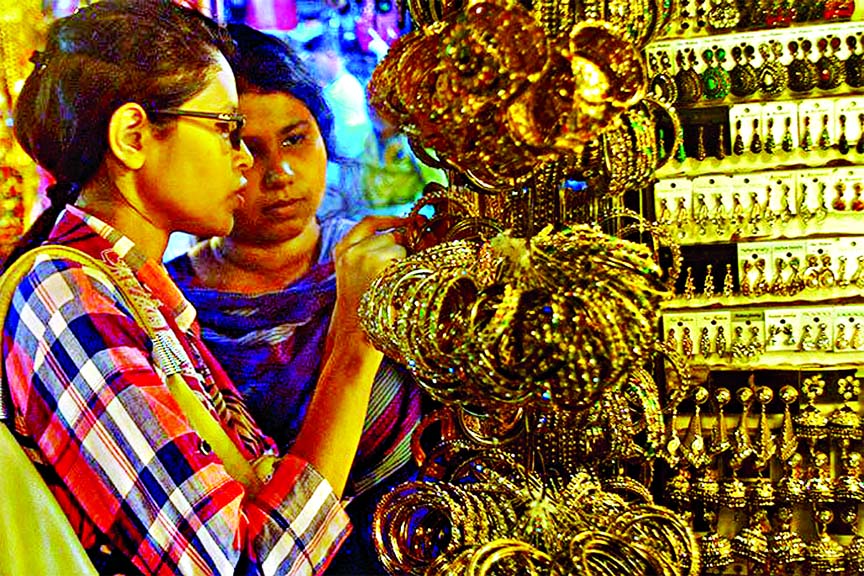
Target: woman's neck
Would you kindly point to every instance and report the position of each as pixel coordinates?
(254, 268)
(103, 199)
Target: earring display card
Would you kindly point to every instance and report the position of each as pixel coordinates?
(848, 328)
(754, 273)
(669, 194)
(852, 110)
(782, 326)
(679, 331)
(747, 339)
(780, 124)
(817, 329)
(816, 122)
(745, 120)
(715, 326)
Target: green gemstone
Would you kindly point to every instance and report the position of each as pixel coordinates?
(721, 54)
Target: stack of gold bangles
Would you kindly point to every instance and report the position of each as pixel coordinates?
(492, 93)
(501, 525)
(552, 321)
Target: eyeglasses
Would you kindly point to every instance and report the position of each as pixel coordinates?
(234, 136)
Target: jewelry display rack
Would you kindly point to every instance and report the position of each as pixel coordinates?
(764, 198)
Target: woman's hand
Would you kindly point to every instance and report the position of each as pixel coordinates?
(360, 257)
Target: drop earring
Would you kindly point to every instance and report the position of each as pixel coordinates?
(773, 76)
(738, 145)
(831, 73)
(770, 143)
(744, 79)
(708, 287)
(859, 147)
(802, 71)
(687, 80)
(786, 143)
(720, 152)
(857, 202)
(700, 143)
(715, 78)
(842, 141)
(756, 140)
(662, 84)
(839, 203)
(806, 139)
(689, 287)
(854, 64)
(824, 135)
(728, 283)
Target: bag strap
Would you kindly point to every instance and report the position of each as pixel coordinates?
(200, 419)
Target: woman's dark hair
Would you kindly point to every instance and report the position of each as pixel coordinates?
(265, 64)
(153, 52)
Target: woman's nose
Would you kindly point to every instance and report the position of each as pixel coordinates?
(278, 173)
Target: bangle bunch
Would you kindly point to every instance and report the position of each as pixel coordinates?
(495, 524)
(552, 321)
(493, 93)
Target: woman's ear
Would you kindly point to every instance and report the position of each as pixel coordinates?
(128, 130)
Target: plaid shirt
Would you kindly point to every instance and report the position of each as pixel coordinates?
(124, 463)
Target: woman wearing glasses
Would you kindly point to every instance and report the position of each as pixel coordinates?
(267, 295)
(132, 107)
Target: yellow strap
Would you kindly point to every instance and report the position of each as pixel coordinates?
(200, 419)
